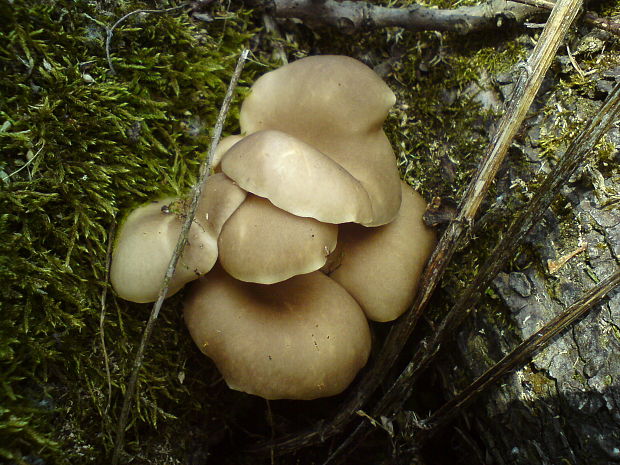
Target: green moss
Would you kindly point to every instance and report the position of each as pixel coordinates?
(79, 146)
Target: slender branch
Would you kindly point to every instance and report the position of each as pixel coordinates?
(525, 90)
(205, 170)
(516, 358)
(358, 15)
(104, 295)
(589, 17)
(110, 34)
(354, 15)
(574, 156)
(6, 177)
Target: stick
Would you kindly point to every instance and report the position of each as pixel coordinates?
(205, 170)
(108, 40)
(104, 295)
(516, 358)
(357, 15)
(353, 15)
(526, 88)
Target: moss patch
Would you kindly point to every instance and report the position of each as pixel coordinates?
(80, 145)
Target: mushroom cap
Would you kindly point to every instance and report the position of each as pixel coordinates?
(337, 105)
(380, 267)
(147, 239)
(296, 178)
(261, 243)
(302, 338)
(322, 94)
(144, 246)
(223, 146)
(372, 162)
(220, 198)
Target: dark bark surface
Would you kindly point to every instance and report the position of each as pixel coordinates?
(564, 407)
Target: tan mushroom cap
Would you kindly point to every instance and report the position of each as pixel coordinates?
(261, 243)
(337, 105)
(303, 338)
(296, 178)
(321, 94)
(380, 267)
(372, 162)
(143, 249)
(225, 144)
(220, 198)
(147, 239)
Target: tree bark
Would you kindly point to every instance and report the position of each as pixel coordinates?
(564, 406)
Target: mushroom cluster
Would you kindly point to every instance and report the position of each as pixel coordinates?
(304, 233)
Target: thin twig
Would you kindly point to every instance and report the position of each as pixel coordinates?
(358, 15)
(205, 170)
(108, 40)
(7, 176)
(516, 358)
(574, 156)
(525, 90)
(589, 17)
(104, 295)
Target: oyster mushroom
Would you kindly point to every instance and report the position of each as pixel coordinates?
(302, 338)
(148, 236)
(261, 243)
(381, 267)
(296, 178)
(337, 105)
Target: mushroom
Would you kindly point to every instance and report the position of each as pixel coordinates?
(263, 244)
(302, 338)
(380, 267)
(337, 105)
(147, 239)
(225, 144)
(296, 178)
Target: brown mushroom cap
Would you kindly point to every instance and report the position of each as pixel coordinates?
(303, 338)
(143, 249)
(225, 144)
(337, 105)
(380, 267)
(261, 243)
(323, 94)
(147, 239)
(296, 178)
(219, 200)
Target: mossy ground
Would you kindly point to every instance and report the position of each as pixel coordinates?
(80, 146)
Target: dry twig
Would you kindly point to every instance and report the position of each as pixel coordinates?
(205, 170)
(526, 88)
(572, 159)
(357, 15)
(110, 34)
(104, 295)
